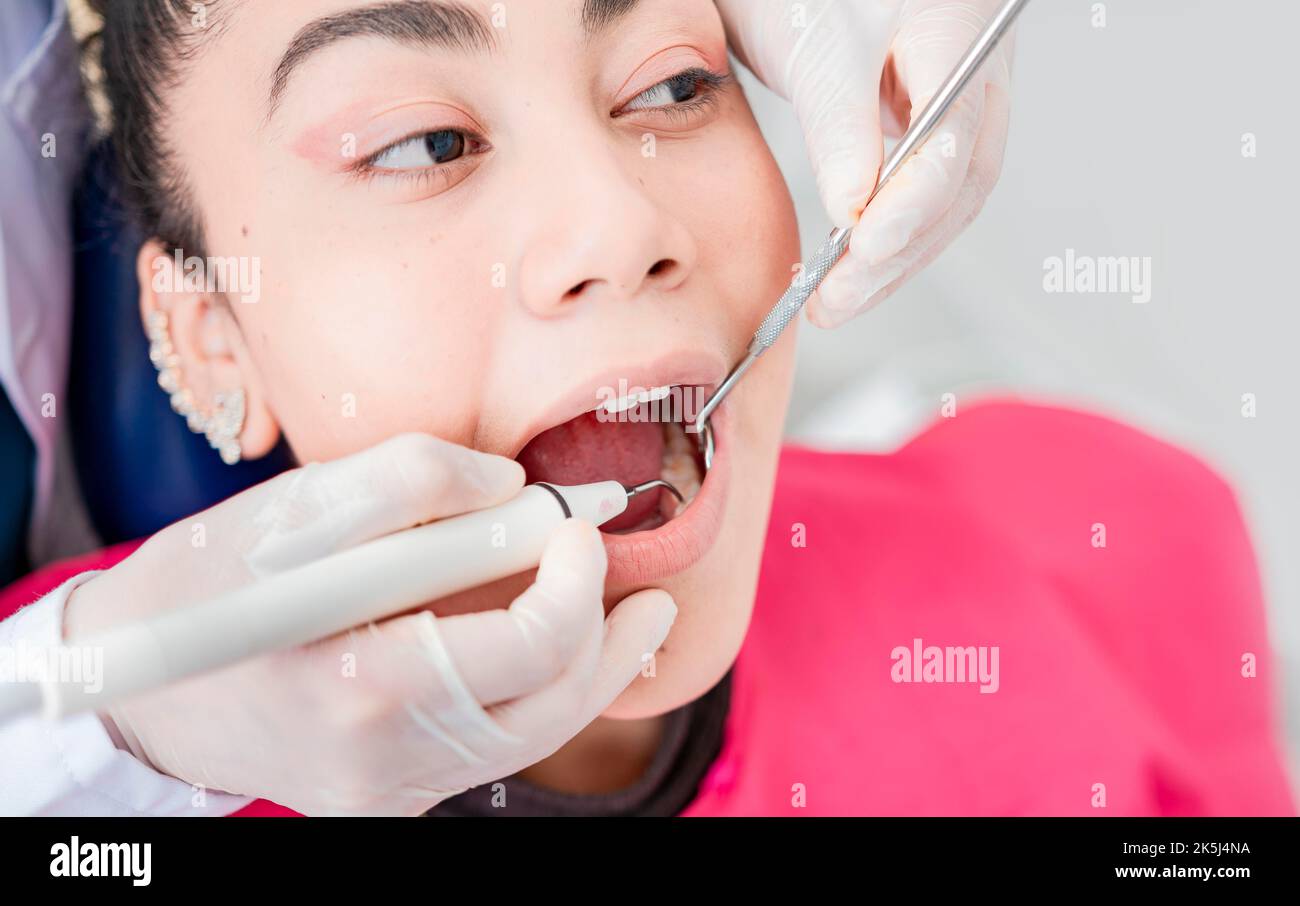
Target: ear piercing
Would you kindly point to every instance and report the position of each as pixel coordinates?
(227, 420)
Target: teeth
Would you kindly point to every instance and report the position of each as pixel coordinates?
(680, 466)
(632, 400)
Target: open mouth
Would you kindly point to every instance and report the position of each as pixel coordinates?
(632, 435)
(633, 439)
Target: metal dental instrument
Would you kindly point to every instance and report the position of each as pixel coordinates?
(816, 268)
(650, 485)
(360, 585)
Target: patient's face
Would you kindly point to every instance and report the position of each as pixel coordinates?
(476, 242)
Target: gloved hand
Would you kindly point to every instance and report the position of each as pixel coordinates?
(853, 69)
(394, 717)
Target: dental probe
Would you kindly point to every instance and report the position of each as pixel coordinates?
(364, 584)
(815, 269)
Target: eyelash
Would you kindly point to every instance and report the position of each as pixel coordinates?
(708, 84)
(421, 177)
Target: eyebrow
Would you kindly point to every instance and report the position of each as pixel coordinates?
(418, 23)
(598, 15)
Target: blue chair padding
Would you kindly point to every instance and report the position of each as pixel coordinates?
(139, 466)
(17, 461)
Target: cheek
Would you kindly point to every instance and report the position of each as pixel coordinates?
(355, 348)
(747, 230)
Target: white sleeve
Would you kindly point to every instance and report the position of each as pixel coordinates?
(70, 766)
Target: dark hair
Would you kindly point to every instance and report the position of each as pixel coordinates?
(141, 51)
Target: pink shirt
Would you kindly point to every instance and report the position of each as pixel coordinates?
(1119, 666)
(1107, 576)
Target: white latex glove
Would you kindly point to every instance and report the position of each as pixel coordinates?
(391, 718)
(854, 70)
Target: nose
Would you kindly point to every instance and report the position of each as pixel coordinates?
(601, 235)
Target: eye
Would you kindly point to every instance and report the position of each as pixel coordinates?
(422, 151)
(686, 89)
(677, 90)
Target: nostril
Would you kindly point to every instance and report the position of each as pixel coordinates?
(661, 268)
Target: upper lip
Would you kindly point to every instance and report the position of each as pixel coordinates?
(681, 368)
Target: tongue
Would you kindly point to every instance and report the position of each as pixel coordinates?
(586, 449)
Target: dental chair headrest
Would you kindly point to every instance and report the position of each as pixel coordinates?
(139, 466)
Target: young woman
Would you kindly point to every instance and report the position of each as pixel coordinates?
(470, 232)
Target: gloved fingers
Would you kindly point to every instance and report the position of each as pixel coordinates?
(443, 672)
(833, 82)
(407, 480)
(402, 692)
(503, 654)
(530, 728)
(408, 799)
(374, 745)
(634, 632)
(981, 176)
(985, 166)
(844, 138)
(915, 198)
(991, 144)
(629, 638)
(826, 57)
(933, 35)
(544, 720)
(925, 186)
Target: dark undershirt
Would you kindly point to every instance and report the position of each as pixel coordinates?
(691, 741)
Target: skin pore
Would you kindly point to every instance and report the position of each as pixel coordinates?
(456, 236)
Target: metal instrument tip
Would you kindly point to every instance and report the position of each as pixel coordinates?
(649, 485)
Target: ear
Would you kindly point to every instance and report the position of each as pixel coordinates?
(205, 336)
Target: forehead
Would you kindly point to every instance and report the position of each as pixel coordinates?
(271, 41)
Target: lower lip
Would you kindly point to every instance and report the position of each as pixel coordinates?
(642, 557)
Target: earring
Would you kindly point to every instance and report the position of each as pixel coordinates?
(227, 420)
